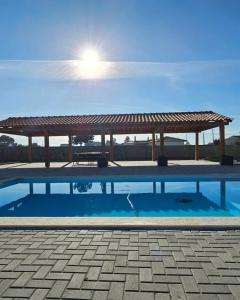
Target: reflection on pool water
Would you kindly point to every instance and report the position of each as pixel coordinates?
(155, 197)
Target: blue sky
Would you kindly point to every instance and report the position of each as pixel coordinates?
(166, 56)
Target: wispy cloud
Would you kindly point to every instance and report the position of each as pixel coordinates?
(173, 72)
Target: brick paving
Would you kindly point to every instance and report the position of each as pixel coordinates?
(92, 264)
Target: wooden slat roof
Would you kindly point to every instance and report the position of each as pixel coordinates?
(118, 123)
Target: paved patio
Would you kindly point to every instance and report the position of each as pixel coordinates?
(118, 168)
(67, 264)
(146, 163)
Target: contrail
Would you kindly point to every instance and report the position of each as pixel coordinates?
(173, 72)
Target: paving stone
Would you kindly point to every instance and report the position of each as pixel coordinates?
(224, 280)
(138, 296)
(59, 276)
(226, 297)
(146, 275)
(214, 289)
(116, 291)
(39, 294)
(93, 273)
(107, 267)
(96, 285)
(16, 292)
(169, 279)
(75, 260)
(132, 283)
(163, 296)
(59, 266)
(112, 277)
(133, 255)
(189, 284)
(100, 295)
(9, 275)
(154, 287)
(76, 281)
(235, 290)
(57, 289)
(158, 268)
(200, 276)
(42, 272)
(5, 284)
(126, 270)
(40, 283)
(90, 264)
(12, 265)
(77, 294)
(202, 297)
(23, 279)
(89, 254)
(177, 291)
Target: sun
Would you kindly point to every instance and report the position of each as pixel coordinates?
(90, 65)
(91, 59)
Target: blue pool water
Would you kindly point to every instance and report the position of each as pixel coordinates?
(155, 197)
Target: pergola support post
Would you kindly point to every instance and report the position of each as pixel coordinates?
(29, 149)
(197, 153)
(161, 143)
(222, 139)
(154, 150)
(70, 155)
(111, 147)
(47, 154)
(103, 144)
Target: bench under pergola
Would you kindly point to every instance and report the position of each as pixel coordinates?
(114, 124)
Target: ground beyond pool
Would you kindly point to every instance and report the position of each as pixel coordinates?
(154, 197)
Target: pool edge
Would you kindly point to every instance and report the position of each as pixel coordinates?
(121, 223)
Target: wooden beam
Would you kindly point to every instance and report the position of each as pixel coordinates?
(70, 155)
(103, 143)
(222, 138)
(197, 153)
(29, 149)
(161, 143)
(125, 128)
(111, 148)
(47, 154)
(154, 149)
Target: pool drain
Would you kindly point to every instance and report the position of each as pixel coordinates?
(184, 200)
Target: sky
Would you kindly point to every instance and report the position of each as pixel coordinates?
(158, 56)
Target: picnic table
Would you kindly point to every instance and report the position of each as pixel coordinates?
(101, 158)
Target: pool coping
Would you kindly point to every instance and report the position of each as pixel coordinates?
(213, 223)
(131, 223)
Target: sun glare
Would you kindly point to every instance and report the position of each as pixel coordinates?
(90, 58)
(90, 65)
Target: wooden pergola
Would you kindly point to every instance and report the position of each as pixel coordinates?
(114, 124)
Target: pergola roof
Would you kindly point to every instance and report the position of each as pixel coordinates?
(114, 123)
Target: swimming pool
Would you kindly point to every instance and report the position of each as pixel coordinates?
(122, 197)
